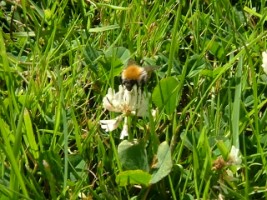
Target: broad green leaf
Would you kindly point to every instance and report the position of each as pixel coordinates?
(133, 155)
(163, 165)
(133, 177)
(165, 94)
(119, 52)
(115, 58)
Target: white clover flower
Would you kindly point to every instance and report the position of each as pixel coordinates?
(135, 102)
(234, 157)
(264, 61)
(124, 101)
(234, 162)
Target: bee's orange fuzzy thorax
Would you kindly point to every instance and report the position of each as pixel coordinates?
(132, 72)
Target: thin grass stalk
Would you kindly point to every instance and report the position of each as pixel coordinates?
(174, 42)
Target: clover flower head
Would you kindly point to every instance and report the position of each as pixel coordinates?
(234, 157)
(127, 102)
(134, 102)
(264, 61)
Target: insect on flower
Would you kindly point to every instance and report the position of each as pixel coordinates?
(134, 74)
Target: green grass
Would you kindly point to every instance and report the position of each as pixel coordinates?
(57, 61)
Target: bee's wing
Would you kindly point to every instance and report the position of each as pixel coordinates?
(150, 69)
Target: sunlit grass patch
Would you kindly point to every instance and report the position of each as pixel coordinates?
(204, 135)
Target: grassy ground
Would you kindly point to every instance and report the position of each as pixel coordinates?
(57, 61)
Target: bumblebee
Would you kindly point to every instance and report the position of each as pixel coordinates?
(134, 74)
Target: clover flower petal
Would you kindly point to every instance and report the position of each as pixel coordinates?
(124, 131)
(111, 124)
(111, 102)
